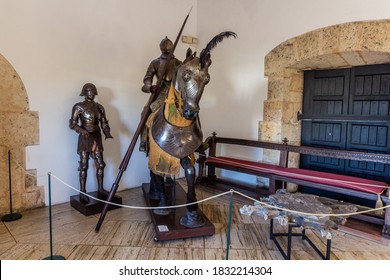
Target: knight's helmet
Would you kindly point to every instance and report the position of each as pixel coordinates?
(88, 87)
(166, 45)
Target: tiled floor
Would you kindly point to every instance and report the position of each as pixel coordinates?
(129, 234)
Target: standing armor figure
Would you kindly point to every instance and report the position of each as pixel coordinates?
(87, 118)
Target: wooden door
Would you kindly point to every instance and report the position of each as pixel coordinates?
(347, 109)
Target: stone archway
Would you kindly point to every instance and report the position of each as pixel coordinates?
(18, 129)
(338, 46)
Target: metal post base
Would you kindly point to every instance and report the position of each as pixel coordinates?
(54, 258)
(287, 255)
(11, 217)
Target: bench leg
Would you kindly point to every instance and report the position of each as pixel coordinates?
(386, 226)
(272, 186)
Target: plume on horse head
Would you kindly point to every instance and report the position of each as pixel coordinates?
(192, 76)
(205, 53)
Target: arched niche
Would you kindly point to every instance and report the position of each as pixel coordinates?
(19, 128)
(337, 46)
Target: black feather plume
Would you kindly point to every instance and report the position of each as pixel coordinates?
(205, 53)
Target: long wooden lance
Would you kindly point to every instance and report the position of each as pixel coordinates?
(144, 117)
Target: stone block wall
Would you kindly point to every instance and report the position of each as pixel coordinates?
(19, 128)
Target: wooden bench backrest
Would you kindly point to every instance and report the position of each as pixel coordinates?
(285, 149)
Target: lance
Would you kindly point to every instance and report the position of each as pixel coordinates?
(144, 117)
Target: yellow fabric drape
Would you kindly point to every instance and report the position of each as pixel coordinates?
(160, 162)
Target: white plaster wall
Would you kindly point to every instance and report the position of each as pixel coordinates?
(56, 46)
(237, 74)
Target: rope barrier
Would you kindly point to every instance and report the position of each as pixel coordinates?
(140, 207)
(223, 194)
(312, 214)
(206, 199)
(24, 170)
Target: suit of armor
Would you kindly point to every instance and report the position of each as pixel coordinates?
(155, 70)
(88, 118)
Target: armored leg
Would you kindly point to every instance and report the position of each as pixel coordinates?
(169, 180)
(143, 146)
(192, 218)
(100, 165)
(83, 167)
(160, 186)
(144, 141)
(153, 190)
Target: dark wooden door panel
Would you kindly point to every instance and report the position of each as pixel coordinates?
(347, 109)
(323, 135)
(370, 108)
(327, 92)
(368, 137)
(370, 90)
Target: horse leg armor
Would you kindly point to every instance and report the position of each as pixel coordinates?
(157, 182)
(192, 219)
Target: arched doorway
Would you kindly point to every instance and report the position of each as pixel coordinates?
(18, 129)
(338, 46)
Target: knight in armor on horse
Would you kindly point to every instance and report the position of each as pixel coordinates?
(174, 130)
(88, 118)
(155, 71)
(173, 127)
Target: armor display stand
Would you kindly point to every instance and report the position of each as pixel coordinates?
(11, 216)
(94, 206)
(168, 227)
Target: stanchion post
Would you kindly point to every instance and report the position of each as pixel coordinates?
(51, 257)
(229, 225)
(11, 216)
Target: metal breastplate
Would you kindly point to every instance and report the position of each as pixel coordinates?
(89, 115)
(175, 140)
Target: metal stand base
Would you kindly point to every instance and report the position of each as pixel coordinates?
(287, 256)
(11, 217)
(94, 206)
(168, 227)
(54, 258)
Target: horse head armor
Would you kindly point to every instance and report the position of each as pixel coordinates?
(189, 80)
(193, 75)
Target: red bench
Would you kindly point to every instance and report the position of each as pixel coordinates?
(366, 189)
